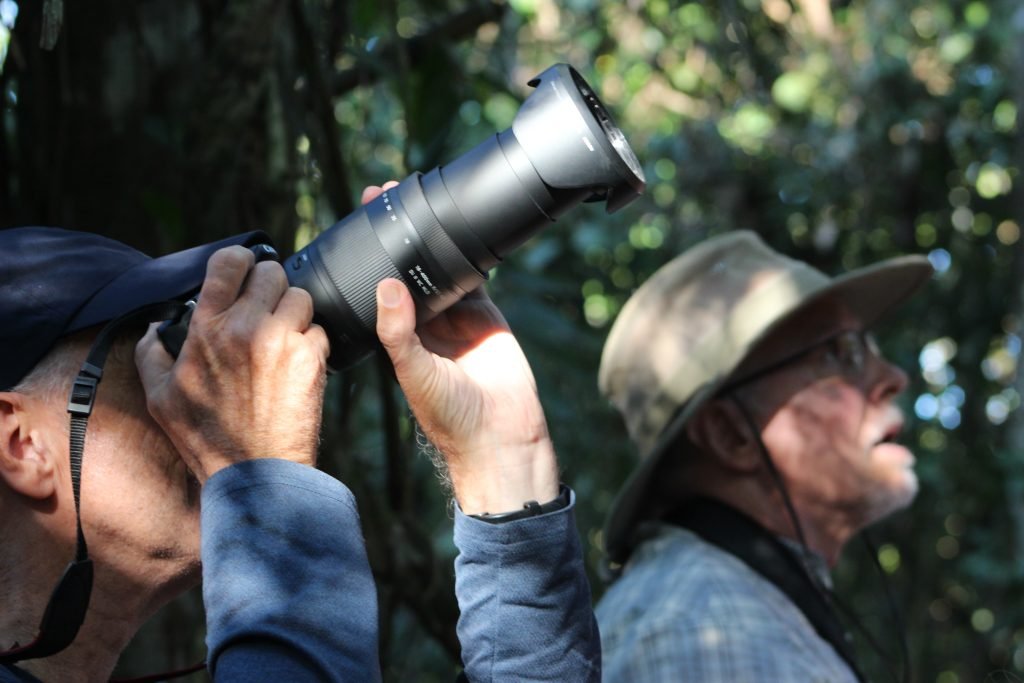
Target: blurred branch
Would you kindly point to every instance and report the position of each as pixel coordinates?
(407, 572)
(6, 171)
(395, 458)
(341, 433)
(401, 55)
(337, 25)
(53, 17)
(453, 28)
(336, 180)
(417, 575)
(225, 128)
(1015, 431)
(426, 586)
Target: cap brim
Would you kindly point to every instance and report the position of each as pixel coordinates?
(870, 293)
(166, 278)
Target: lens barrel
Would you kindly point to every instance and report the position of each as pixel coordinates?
(440, 232)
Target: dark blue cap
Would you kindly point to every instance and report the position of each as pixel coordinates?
(54, 282)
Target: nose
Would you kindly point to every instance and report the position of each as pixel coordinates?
(888, 381)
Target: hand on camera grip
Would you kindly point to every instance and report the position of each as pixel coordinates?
(172, 333)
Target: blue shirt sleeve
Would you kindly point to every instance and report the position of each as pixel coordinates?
(286, 581)
(525, 600)
(9, 673)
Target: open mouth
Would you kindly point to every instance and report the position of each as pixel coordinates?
(891, 434)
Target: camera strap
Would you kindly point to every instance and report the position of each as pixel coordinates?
(69, 602)
(735, 533)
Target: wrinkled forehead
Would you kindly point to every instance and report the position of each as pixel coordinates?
(806, 328)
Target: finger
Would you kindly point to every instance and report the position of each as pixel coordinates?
(480, 293)
(152, 360)
(264, 288)
(225, 273)
(295, 309)
(373, 191)
(370, 193)
(476, 314)
(318, 336)
(396, 329)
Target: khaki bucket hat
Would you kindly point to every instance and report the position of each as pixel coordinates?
(682, 335)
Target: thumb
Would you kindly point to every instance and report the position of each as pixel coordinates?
(152, 360)
(396, 328)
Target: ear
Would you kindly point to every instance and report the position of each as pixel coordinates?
(27, 463)
(719, 431)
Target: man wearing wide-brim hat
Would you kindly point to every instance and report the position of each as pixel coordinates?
(764, 418)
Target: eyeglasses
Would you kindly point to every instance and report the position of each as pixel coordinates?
(851, 350)
(848, 351)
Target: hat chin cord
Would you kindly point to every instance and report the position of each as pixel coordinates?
(66, 610)
(805, 559)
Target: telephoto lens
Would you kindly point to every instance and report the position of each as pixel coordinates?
(440, 232)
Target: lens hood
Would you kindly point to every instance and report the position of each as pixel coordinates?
(572, 141)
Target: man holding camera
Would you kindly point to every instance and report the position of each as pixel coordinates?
(222, 439)
(765, 419)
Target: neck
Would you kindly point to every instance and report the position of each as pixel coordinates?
(822, 535)
(825, 532)
(85, 660)
(118, 607)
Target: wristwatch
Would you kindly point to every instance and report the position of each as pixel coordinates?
(531, 508)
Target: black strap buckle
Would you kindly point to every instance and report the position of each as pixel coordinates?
(83, 395)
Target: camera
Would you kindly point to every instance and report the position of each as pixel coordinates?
(440, 232)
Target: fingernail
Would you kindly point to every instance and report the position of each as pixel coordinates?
(388, 293)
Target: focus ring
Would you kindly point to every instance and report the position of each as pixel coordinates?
(354, 259)
(462, 273)
(427, 225)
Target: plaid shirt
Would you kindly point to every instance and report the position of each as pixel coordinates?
(685, 610)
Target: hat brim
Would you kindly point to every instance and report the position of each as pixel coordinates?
(870, 293)
(165, 278)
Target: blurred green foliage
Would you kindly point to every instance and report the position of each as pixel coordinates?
(843, 132)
